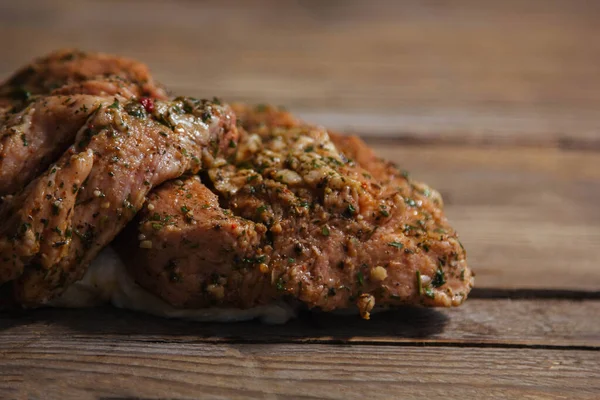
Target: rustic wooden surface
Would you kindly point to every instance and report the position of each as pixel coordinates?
(494, 103)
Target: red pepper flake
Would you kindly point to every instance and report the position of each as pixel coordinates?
(148, 104)
(233, 226)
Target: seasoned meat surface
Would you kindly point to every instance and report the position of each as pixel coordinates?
(37, 135)
(190, 241)
(44, 104)
(119, 155)
(72, 67)
(300, 214)
(216, 205)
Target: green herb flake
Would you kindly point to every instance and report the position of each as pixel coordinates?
(419, 283)
(261, 209)
(280, 285)
(325, 231)
(360, 278)
(439, 279)
(25, 227)
(55, 209)
(397, 245)
(429, 293)
(206, 116)
(410, 202)
(351, 209)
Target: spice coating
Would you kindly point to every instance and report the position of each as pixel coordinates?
(220, 205)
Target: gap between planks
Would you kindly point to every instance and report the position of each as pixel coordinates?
(543, 324)
(396, 138)
(539, 294)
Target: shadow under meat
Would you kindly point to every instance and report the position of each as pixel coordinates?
(310, 326)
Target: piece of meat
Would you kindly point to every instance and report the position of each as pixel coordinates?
(72, 67)
(301, 215)
(134, 145)
(37, 135)
(192, 241)
(43, 105)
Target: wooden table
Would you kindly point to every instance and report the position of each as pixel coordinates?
(495, 103)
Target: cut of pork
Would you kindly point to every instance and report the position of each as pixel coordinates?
(298, 214)
(132, 147)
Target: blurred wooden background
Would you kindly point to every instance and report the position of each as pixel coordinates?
(465, 70)
(495, 103)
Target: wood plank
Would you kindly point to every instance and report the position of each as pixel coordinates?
(74, 368)
(474, 71)
(532, 323)
(528, 219)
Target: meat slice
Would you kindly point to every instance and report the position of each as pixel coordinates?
(72, 67)
(134, 145)
(52, 196)
(33, 138)
(43, 105)
(192, 241)
(302, 215)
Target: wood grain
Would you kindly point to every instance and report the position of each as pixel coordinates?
(465, 71)
(503, 323)
(528, 219)
(69, 368)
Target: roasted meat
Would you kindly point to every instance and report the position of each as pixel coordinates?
(297, 213)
